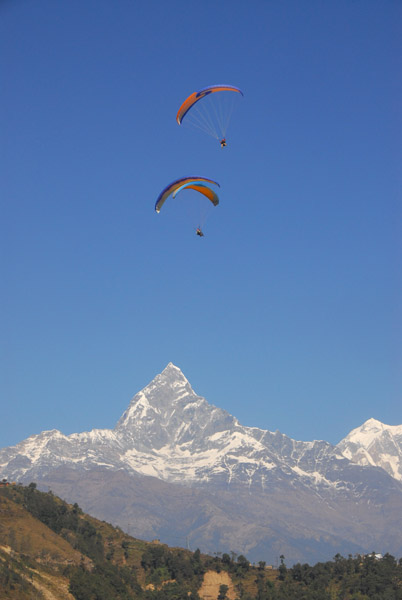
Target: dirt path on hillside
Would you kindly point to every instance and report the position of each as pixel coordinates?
(211, 584)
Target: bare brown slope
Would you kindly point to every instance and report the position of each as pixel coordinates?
(24, 534)
(211, 584)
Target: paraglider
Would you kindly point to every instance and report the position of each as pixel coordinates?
(201, 185)
(210, 110)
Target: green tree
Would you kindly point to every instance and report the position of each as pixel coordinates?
(223, 590)
(282, 569)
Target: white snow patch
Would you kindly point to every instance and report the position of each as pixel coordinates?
(315, 476)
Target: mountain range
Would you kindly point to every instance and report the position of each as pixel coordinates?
(181, 470)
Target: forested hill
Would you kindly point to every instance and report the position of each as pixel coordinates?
(53, 551)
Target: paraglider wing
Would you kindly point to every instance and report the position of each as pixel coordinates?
(172, 187)
(199, 187)
(196, 96)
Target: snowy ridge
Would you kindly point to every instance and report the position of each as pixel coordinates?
(375, 444)
(171, 433)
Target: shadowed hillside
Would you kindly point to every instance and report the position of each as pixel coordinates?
(51, 550)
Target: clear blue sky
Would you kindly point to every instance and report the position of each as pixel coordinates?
(288, 313)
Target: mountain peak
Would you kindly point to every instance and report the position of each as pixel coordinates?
(375, 443)
(365, 434)
(168, 393)
(170, 367)
(172, 375)
(373, 424)
(371, 430)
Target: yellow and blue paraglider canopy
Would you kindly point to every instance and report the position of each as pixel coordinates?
(199, 184)
(210, 109)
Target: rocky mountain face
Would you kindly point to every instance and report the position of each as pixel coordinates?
(182, 470)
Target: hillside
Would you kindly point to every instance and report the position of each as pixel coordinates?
(50, 550)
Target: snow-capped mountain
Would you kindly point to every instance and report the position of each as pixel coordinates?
(376, 444)
(245, 488)
(171, 433)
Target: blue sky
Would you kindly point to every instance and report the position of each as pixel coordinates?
(288, 312)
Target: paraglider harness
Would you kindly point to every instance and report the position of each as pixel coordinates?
(223, 143)
(199, 232)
